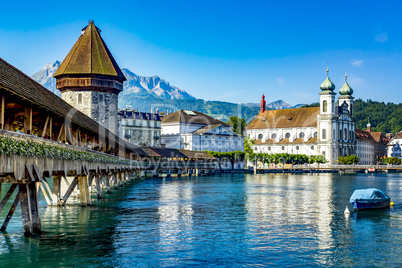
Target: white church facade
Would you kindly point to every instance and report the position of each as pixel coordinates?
(327, 130)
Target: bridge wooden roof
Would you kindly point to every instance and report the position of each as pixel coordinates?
(18, 83)
(89, 55)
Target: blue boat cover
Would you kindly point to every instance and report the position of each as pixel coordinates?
(368, 194)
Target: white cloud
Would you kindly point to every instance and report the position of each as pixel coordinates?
(381, 37)
(355, 81)
(358, 63)
(281, 81)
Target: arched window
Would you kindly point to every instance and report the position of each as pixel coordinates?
(324, 106)
(274, 136)
(315, 134)
(351, 109)
(260, 137)
(283, 148)
(301, 135)
(340, 134)
(345, 134)
(324, 134)
(334, 133)
(287, 135)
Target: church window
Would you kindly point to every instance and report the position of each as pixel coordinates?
(312, 147)
(315, 134)
(79, 98)
(260, 137)
(324, 134)
(340, 134)
(287, 135)
(301, 135)
(345, 134)
(323, 153)
(283, 148)
(324, 106)
(351, 109)
(297, 147)
(274, 136)
(269, 148)
(334, 133)
(100, 97)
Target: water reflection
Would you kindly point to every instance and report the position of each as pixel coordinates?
(224, 221)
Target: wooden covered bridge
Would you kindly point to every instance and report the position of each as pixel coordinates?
(47, 146)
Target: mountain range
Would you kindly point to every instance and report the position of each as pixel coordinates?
(149, 94)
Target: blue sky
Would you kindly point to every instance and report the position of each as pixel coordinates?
(223, 50)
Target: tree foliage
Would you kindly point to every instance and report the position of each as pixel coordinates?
(393, 160)
(238, 124)
(348, 160)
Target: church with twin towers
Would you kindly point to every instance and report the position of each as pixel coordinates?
(328, 130)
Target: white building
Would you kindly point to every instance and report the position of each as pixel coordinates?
(394, 146)
(140, 128)
(366, 146)
(328, 130)
(192, 130)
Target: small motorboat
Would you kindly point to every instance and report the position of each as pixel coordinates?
(369, 199)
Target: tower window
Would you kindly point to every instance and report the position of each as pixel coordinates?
(301, 135)
(273, 136)
(315, 134)
(287, 136)
(324, 134)
(260, 137)
(79, 98)
(324, 106)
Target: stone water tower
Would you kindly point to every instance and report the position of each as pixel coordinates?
(90, 80)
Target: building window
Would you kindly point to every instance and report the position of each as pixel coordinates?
(315, 134)
(79, 98)
(312, 147)
(324, 106)
(260, 137)
(273, 136)
(345, 134)
(100, 98)
(297, 148)
(301, 135)
(287, 135)
(283, 148)
(324, 134)
(269, 148)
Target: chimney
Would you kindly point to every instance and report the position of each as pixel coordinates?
(263, 102)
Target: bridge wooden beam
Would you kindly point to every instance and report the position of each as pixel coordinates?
(28, 120)
(2, 111)
(45, 127)
(10, 213)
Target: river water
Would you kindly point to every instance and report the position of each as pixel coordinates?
(221, 221)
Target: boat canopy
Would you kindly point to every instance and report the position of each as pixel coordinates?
(371, 193)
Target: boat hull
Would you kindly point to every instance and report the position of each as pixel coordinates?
(370, 204)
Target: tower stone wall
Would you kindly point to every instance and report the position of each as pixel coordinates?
(100, 106)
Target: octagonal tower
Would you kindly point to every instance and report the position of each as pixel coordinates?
(89, 78)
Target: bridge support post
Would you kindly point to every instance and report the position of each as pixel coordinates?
(108, 176)
(98, 186)
(115, 180)
(28, 195)
(56, 196)
(179, 172)
(84, 190)
(168, 173)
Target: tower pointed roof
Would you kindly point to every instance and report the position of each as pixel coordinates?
(346, 90)
(90, 55)
(327, 85)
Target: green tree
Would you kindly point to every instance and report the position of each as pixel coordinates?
(238, 124)
(348, 160)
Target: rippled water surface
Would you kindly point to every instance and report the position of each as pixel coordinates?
(223, 221)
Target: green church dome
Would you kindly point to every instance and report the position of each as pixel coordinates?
(327, 85)
(346, 90)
